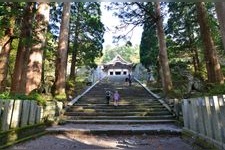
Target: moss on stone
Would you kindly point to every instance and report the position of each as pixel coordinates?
(198, 142)
(14, 135)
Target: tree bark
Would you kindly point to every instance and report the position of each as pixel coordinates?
(73, 63)
(5, 48)
(195, 58)
(4, 59)
(212, 64)
(34, 67)
(220, 10)
(163, 58)
(75, 48)
(61, 60)
(18, 84)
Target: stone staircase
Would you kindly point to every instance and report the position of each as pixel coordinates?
(136, 106)
(138, 112)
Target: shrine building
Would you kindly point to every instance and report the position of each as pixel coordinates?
(117, 66)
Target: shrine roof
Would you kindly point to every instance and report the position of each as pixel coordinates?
(117, 59)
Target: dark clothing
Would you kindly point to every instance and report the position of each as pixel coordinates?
(107, 96)
(129, 79)
(130, 82)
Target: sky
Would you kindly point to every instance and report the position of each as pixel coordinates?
(110, 22)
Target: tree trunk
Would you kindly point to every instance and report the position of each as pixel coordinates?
(4, 59)
(220, 10)
(34, 67)
(73, 63)
(18, 84)
(61, 60)
(43, 67)
(195, 58)
(212, 64)
(75, 48)
(5, 48)
(163, 58)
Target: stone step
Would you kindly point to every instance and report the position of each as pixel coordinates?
(136, 106)
(92, 128)
(122, 93)
(123, 121)
(105, 106)
(121, 104)
(121, 117)
(127, 98)
(79, 109)
(101, 94)
(117, 113)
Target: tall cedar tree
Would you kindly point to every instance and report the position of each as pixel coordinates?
(86, 30)
(214, 73)
(19, 78)
(7, 27)
(34, 67)
(163, 57)
(220, 10)
(183, 33)
(149, 49)
(61, 60)
(77, 30)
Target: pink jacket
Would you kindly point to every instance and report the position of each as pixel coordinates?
(116, 96)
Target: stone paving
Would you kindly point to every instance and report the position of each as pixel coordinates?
(81, 141)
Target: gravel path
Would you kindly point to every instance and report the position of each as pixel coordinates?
(81, 141)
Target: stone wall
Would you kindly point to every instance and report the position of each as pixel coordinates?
(21, 113)
(205, 117)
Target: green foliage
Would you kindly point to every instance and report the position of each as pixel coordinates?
(75, 87)
(50, 55)
(131, 15)
(33, 96)
(183, 36)
(38, 97)
(149, 43)
(9, 10)
(215, 89)
(70, 83)
(86, 33)
(61, 97)
(5, 95)
(130, 54)
(214, 26)
(182, 31)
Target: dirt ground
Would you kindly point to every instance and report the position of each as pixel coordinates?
(79, 141)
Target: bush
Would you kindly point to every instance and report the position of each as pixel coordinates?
(38, 97)
(33, 96)
(5, 95)
(60, 97)
(215, 89)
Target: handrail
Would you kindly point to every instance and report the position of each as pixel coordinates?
(155, 95)
(79, 96)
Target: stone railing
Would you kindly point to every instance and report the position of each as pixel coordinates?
(21, 113)
(205, 117)
(24, 119)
